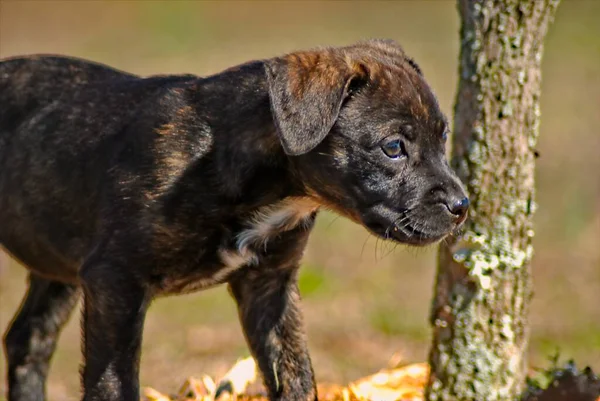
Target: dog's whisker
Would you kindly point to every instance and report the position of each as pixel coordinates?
(419, 228)
(404, 226)
(380, 248)
(335, 218)
(364, 244)
(384, 247)
(445, 242)
(375, 249)
(389, 252)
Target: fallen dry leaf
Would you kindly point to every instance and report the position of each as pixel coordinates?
(237, 379)
(197, 390)
(400, 384)
(397, 383)
(150, 394)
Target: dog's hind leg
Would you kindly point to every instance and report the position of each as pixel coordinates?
(268, 304)
(31, 338)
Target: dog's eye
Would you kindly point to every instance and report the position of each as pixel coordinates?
(445, 136)
(394, 149)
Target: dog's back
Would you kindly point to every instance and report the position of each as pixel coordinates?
(28, 84)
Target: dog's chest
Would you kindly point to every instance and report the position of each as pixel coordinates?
(265, 225)
(248, 247)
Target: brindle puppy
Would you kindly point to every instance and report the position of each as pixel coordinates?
(134, 188)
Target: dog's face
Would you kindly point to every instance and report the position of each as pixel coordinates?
(368, 138)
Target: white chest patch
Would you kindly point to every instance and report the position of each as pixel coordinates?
(266, 223)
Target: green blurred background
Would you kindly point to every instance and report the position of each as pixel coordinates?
(363, 300)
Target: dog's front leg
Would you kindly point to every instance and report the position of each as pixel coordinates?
(114, 311)
(268, 305)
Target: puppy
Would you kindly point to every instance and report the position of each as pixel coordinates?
(133, 188)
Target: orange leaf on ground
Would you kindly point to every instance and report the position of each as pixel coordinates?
(405, 383)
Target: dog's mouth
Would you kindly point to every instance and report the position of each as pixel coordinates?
(414, 235)
(403, 229)
(406, 234)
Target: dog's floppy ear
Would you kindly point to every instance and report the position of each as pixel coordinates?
(306, 92)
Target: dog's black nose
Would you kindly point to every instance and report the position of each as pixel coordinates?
(459, 208)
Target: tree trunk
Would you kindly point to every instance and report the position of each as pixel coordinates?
(480, 311)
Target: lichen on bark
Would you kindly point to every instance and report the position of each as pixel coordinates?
(483, 286)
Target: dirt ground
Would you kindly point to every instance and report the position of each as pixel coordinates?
(363, 299)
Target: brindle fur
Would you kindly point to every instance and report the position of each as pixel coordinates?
(132, 188)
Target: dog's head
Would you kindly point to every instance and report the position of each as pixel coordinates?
(367, 137)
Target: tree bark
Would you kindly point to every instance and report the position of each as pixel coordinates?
(483, 287)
